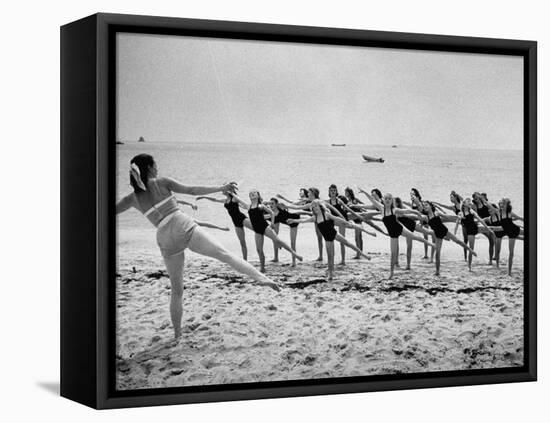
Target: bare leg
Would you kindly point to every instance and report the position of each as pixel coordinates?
(394, 242)
(438, 244)
(345, 243)
(498, 245)
(465, 238)
(211, 225)
(409, 252)
(491, 240)
(452, 237)
(397, 254)
(432, 250)
(342, 231)
(273, 236)
(358, 241)
(319, 243)
(511, 246)
(330, 259)
(203, 243)
(471, 243)
(425, 247)
(242, 240)
(275, 245)
(415, 237)
(259, 238)
(174, 265)
(293, 236)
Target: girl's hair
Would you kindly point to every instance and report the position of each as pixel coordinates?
(398, 202)
(143, 162)
(466, 202)
(260, 199)
(508, 205)
(303, 191)
(457, 196)
(334, 187)
(349, 192)
(315, 192)
(416, 193)
(274, 200)
(377, 192)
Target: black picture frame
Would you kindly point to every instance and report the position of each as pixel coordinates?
(88, 219)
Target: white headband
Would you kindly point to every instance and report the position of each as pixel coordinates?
(136, 175)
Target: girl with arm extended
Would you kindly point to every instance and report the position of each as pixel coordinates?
(483, 208)
(256, 215)
(394, 228)
(468, 219)
(510, 229)
(325, 221)
(154, 197)
(416, 204)
(441, 233)
(303, 198)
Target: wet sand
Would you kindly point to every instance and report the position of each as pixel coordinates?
(358, 324)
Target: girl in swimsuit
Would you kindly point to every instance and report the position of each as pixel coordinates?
(456, 203)
(324, 220)
(303, 198)
(510, 229)
(240, 220)
(257, 216)
(434, 219)
(416, 204)
(469, 218)
(410, 222)
(280, 215)
(154, 197)
(353, 203)
(482, 207)
(394, 228)
(336, 203)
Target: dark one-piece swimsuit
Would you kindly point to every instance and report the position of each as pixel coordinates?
(284, 215)
(469, 224)
(483, 211)
(495, 221)
(440, 230)
(392, 225)
(326, 227)
(257, 219)
(407, 222)
(339, 207)
(235, 213)
(509, 228)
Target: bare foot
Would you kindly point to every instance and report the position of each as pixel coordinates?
(408, 267)
(436, 274)
(275, 260)
(357, 257)
(271, 285)
(262, 270)
(342, 263)
(319, 259)
(299, 258)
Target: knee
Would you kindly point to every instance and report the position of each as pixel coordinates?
(177, 291)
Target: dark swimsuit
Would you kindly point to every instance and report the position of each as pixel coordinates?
(393, 227)
(236, 216)
(257, 219)
(509, 228)
(440, 230)
(339, 207)
(469, 224)
(326, 227)
(407, 222)
(483, 211)
(355, 209)
(495, 221)
(284, 215)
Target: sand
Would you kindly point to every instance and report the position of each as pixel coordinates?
(359, 324)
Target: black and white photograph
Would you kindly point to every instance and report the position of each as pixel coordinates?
(292, 211)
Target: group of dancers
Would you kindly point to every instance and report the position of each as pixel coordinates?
(418, 220)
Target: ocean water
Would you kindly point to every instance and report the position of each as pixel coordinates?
(285, 169)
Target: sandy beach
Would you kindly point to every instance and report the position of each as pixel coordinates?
(359, 324)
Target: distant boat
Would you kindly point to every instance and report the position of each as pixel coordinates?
(141, 139)
(338, 145)
(119, 142)
(373, 159)
(394, 146)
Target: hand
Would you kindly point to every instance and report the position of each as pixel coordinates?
(229, 187)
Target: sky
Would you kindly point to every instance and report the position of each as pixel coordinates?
(207, 90)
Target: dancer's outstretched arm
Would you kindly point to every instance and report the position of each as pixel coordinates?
(349, 224)
(214, 200)
(179, 188)
(302, 220)
(187, 203)
(480, 220)
(516, 217)
(125, 203)
(211, 225)
(377, 204)
(443, 206)
(242, 203)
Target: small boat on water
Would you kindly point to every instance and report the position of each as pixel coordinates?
(338, 145)
(141, 139)
(394, 146)
(373, 159)
(119, 142)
